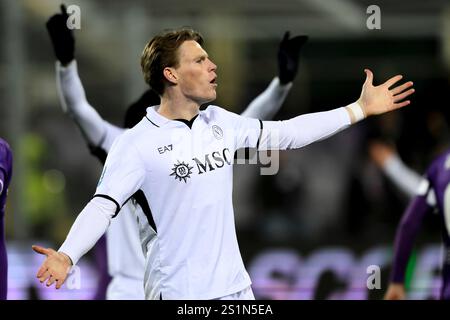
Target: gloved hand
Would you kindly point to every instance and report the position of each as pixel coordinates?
(288, 57)
(62, 37)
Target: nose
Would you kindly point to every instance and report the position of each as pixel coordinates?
(212, 67)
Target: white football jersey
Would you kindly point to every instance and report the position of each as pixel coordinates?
(183, 170)
(185, 174)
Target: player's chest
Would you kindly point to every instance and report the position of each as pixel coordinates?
(186, 156)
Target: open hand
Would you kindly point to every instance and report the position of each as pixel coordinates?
(55, 268)
(380, 99)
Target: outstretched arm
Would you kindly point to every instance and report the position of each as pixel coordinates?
(305, 129)
(267, 104)
(393, 167)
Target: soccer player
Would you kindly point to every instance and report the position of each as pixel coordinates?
(181, 160)
(428, 195)
(5, 179)
(431, 196)
(124, 252)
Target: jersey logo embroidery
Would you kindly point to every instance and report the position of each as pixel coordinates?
(161, 150)
(219, 160)
(217, 132)
(182, 171)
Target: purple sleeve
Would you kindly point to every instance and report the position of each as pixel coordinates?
(405, 235)
(2, 180)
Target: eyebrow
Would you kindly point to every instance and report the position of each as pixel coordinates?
(202, 56)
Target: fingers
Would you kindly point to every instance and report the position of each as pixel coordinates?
(41, 250)
(401, 104)
(403, 95)
(51, 276)
(44, 276)
(401, 88)
(41, 270)
(389, 83)
(59, 283)
(369, 77)
(50, 281)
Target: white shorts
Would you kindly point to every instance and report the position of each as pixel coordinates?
(123, 288)
(245, 294)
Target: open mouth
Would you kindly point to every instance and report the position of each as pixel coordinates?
(213, 81)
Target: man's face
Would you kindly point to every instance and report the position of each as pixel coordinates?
(196, 73)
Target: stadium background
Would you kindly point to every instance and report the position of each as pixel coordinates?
(309, 232)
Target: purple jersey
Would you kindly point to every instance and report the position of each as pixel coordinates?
(5, 178)
(432, 194)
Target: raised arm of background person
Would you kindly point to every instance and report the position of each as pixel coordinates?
(70, 90)
(267, 104)
(96, 131)
(394, 168)
(404, 240)
(122, 176)
(305, 129)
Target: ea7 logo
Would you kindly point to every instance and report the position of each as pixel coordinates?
(161, 150)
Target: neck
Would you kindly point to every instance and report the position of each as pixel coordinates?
(176, 107)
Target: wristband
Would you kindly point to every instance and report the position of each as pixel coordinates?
(357, 111)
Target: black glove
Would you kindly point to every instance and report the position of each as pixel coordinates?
(288, 56)
(61, 36)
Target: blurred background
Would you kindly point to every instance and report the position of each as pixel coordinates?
(309, 232)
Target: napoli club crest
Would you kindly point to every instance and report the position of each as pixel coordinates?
(217, 132)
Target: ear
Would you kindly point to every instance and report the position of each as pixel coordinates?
(171, 75)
